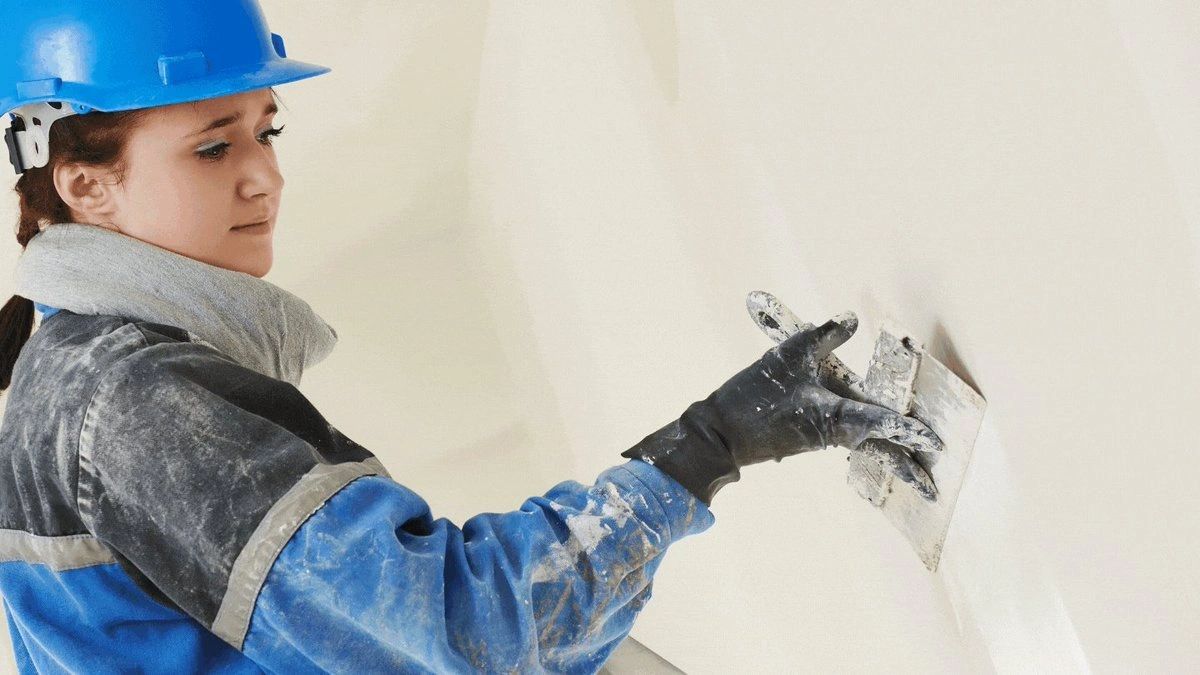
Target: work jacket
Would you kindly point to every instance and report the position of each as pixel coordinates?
(164, 508)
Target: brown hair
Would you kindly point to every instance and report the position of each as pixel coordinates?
(97, 139)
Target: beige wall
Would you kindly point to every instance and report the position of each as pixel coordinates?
(534, 225)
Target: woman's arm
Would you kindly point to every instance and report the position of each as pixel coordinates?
(371, 582)
(226, 494)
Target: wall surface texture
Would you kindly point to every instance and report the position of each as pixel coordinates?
(534, 226)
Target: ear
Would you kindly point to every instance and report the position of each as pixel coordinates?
(88, 190)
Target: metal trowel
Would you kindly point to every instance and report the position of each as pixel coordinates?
(903, 377)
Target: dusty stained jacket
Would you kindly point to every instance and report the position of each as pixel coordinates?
(165, 508)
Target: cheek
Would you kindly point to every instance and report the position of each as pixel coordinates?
(179, 192)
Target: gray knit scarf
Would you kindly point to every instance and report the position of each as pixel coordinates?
(88, 269)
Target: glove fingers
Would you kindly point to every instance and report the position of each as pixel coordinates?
(856, 421)
(901, 465)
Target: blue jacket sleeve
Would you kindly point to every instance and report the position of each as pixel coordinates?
(372, 583)
(227, 494)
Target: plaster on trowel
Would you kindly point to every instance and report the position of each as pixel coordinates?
(905, 378)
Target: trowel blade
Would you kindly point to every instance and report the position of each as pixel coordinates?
(949, 406)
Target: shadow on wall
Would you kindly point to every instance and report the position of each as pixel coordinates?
(941, 347)
(659, 31)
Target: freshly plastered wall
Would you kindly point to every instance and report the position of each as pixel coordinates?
(534, 225)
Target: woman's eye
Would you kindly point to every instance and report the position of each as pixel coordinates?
(213, 153)
(217, 151)
(269, 133)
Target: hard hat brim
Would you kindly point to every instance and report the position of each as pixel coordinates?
(211, 85)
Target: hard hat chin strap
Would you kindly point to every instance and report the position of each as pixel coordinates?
(28, 137)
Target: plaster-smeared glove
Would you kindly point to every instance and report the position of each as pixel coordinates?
(774, 408)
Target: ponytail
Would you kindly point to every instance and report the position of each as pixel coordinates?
(16, 324)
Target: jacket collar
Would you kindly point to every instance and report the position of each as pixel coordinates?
(92, 270)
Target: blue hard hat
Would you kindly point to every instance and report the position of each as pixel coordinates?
(109, 55)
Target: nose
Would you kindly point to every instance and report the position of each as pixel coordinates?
(260, 175)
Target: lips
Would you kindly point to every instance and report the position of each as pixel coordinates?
(259, 222)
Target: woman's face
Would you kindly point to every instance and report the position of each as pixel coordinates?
(187, 185)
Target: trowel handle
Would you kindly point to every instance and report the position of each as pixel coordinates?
(779, 323)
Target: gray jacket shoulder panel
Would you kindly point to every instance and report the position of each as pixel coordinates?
(165, 450)
(182, 453)
(53, 379)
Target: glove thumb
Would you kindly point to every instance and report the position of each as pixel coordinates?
(819, 341)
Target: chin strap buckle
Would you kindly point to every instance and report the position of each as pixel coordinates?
(14, 148)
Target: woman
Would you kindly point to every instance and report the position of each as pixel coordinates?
(170, 500)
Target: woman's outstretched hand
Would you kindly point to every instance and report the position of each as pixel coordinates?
(779, 406)
(779, 323)
(776, 407)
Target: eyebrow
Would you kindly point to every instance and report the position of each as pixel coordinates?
(226, 121)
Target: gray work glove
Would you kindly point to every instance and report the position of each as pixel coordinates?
(774, 408)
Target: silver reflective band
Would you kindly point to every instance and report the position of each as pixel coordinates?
(272, 534)
(65, 552)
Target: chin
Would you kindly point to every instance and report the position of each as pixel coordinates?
(261, 271)
(254, 266)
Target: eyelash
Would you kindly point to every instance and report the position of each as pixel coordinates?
(220, 148)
